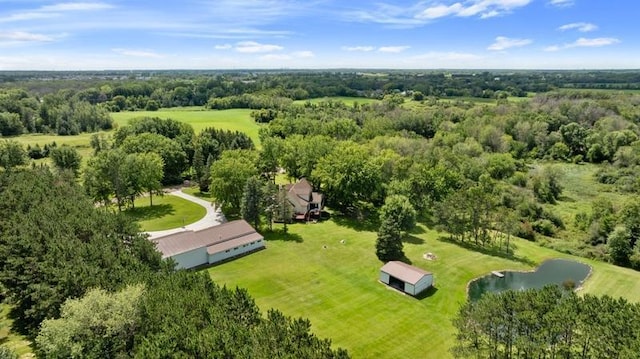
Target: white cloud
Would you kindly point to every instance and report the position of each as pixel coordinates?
(14, 37)
(223, 47)
(358, 48)
(594, 42)
(580, 26)
(256, 47)
(76, 6)
(30, 15)
(423, 12)
(393, 49)
(561, 3)
(483, 8)
(137, 53)
(585, 42)
(503, 43)
(52, 11)
(437, 11)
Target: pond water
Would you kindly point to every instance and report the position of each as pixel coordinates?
(553, 271)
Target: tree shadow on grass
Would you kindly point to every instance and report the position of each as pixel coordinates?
(148, 213)
(490, 251)
(365, 224)
(408, 238)
(427, 293)
(279, 235)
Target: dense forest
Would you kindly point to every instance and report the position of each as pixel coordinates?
(478, 156)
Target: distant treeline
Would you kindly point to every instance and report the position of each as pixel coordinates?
(152, 90)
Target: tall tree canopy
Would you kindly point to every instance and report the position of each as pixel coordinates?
(55, 244)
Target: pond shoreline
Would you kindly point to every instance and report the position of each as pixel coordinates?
(533, 271)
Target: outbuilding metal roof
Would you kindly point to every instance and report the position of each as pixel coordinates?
(404, 272)
(231, 234)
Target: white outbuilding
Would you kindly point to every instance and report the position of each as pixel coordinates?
(211, 245)
(406, 278)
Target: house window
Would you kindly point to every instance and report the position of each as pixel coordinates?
(235, 248)
(227, 251)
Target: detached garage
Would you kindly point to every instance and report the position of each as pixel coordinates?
(406, 278)
(191, 249)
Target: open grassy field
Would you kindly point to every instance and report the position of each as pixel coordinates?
(11, 340)
(580, 190)
(337, 288)
(347, 100)
(167, 212)
(80, 142)
(200, 118)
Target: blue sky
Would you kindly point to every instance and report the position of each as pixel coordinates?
(232, 34)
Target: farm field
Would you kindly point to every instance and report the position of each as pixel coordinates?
(347, 100)
(167, 212)
(200, 118)
(337, 288)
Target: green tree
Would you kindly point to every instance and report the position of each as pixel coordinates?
(349, 174)
(284, 208)
(619, 246)
(229, 175)
(150, 173)
(6, 353)
(55, 244)
(398, 209)
(270, 202)
(66, 158)
(173, 155)
(389, 242)
(12, 154)
(98, 325)
(252, 200)
(104, 177)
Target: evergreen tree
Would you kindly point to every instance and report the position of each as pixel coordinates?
(270, 202)
(389, 243)
(251, 205)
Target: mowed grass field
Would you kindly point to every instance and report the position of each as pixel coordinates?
(167, 212)
(337, 287)
(347, 100)
(200, 118)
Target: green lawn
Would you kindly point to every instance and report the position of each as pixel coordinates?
(195, 191)
(167, 212)
(16, 342)
(337, 288)
(200, 118)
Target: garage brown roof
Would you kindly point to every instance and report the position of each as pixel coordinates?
(404, 272)
(231, 234)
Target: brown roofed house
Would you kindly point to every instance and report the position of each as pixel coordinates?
(306, 203)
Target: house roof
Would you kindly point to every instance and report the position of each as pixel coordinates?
(404, 272)
(233, 233)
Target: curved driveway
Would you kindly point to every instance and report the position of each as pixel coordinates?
(213, 217)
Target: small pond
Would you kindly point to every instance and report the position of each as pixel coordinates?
(553, 271)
